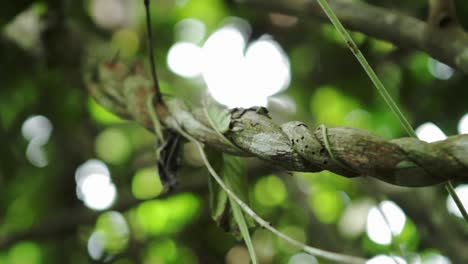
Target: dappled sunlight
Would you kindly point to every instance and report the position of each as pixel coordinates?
(38, 128)
(230, 67)
(94, 185)
(429, 132)
(380, 228)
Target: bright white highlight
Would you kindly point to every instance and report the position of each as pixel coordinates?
(429, 132)
(462, 191)
(440, 70)
(463, 125)
(224, 68)
(37, 130)
(268, 66)
(110, 14)
(184, 59)
(36, 154)
(384, 259)
(96, 245)
(98, 191)
(437, 259)
(236, 80)
(353, 220)
(302, 258)
(94, 185)
(377, 227)
(235, 74)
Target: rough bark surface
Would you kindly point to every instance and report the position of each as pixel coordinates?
(293, 146)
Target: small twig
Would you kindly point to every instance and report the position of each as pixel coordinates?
(158, 96)
(308, 249)
(458, 202)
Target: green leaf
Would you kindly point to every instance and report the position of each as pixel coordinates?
(232, 170)
(235, 176)
(244, 230)
(219, 118)
(218, 198)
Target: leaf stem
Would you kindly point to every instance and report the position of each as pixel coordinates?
(381, 89)
(158, 97)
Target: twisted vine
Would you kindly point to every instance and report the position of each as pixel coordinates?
(293, 145)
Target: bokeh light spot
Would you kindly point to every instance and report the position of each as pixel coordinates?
(327, 205)
(379, 227)
(98, 191)
(185, 59)
(25, 252)
(384, 259)
(270, 191)
(190, 30)
(115, 230)
(126, 42)
(113, 146)
(353, 220)
(330, 107)
(439, 70)
(238, 255)
(96, 245)
(463, 125)
(429, 132)
(302, 258)
(294, 232)
(94, 185)
(146, 183)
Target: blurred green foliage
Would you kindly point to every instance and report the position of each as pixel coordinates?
(47, 46)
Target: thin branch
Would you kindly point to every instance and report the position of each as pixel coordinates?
(448, 45)
(158, 96)
(382, 90)
(341, 258)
